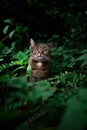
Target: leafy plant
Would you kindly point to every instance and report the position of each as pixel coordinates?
(75, 116)
(63, 59)
(83, 58)
(44, 101)
(42, 91)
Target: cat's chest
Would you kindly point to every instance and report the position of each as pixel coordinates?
(39, 64)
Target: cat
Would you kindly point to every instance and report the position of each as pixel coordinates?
(40, 61)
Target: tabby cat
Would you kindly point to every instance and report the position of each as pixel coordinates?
(40, 61)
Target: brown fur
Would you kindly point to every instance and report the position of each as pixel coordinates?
(40, 61)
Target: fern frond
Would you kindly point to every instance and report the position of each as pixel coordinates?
(7, 65)
(37, 115)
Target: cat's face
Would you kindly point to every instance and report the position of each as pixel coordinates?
(40, 52)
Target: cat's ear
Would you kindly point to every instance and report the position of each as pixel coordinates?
(32, 42)
(50, 44)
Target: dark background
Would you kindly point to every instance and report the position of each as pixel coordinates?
(49, 20)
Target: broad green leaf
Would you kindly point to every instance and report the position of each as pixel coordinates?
(83, 57)
(84, 64)
(1, 59)
(84, 51)
(83, 95)
(75, 117)
(42, 91)
(4, 78)
(8, 21)
(11, 34)
(5, 29)
(19, 82)
(19, 95)
(29, 70)
(22, 56)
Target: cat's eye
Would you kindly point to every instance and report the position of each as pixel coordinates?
(46, 52)
(35, 51)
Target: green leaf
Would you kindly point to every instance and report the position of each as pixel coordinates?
(19, 82)
(4, 78)
(1, 59)
(83, 95)
(83, 57)
(19, 95)
(84, 51)
(42, 90)
(75, 117)
(11, 34)
(29, 70)
(22, 56)
(5, 29)
(8, 21)
(19, 68)
(84, 64)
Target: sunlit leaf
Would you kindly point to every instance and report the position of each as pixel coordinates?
(8, 21)
(5, 29)
(29, 70)
(22, 56)
(11, 34)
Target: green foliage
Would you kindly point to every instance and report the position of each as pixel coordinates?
(64, 59)
(60, 100)
(5, 29)
(22, 57)
(23, 126)
(17, 60)
(83, 58)
(42, 91)
(29, 70)
(64, 22)
(31, 101)
(6, 117)
(14, 32)
(75, 116)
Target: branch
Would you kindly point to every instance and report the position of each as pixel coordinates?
(4, 38)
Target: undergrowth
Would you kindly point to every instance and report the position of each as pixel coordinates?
(27, 105)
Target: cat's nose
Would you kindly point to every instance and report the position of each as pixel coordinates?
(39, 54)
